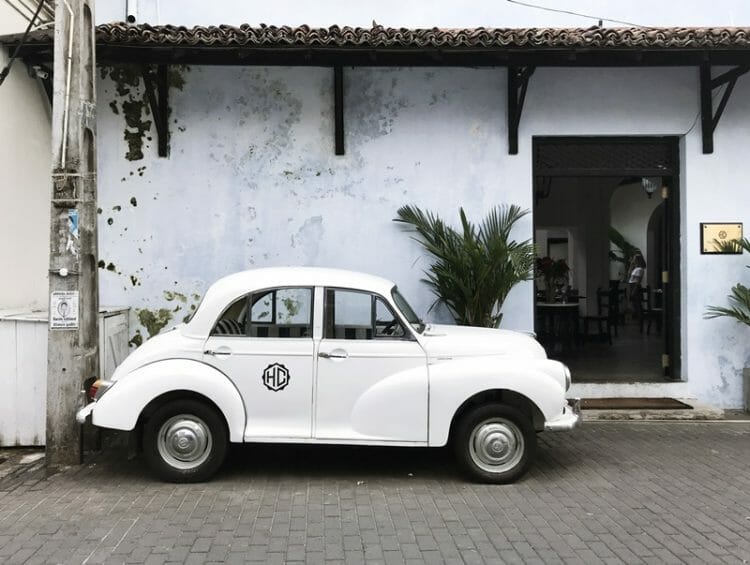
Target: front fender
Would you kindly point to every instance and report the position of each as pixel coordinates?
(453, 382)
(121, 406)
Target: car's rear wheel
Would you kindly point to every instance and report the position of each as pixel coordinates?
(494, 443)
(185, 441)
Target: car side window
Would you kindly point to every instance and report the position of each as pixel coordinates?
(279, 313)
(282, 312)
(232, 321)
(359, 315)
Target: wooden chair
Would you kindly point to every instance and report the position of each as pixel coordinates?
(607, 307)
(651, 309)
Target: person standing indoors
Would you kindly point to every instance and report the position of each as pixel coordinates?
(637, 270)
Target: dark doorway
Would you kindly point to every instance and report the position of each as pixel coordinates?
(606, 224)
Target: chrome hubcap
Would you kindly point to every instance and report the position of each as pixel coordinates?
(184, 441)
(496, 445)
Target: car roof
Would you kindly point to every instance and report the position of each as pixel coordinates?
(259, 279)
(230, 288)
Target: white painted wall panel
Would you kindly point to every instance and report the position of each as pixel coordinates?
(31, 383)
(23, 369)
(26, 182)
(8, 382)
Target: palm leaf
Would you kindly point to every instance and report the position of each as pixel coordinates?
(474, 267)
(732, 245)
(738, 309)
(739, 297)
(627, 249)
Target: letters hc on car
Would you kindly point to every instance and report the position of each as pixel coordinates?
(310, 355)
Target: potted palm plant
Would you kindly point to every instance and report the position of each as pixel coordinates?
(474, 267)
(738, 308)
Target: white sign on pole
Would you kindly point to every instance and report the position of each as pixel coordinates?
(63, 310)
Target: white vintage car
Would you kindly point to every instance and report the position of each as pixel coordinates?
(310, 355)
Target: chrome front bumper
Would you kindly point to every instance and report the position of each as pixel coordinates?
(569, 419)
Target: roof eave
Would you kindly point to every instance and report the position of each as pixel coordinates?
(303, 46)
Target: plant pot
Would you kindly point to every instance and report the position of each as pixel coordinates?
(746, 388)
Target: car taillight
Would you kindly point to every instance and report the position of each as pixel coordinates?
(92, 389)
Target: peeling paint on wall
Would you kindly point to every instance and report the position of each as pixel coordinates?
(132, 102)
(308, 238)
(176, 76)
(154, 320)
(171, 295)
(137, 127)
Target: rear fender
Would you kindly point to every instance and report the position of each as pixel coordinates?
(454, 382)
(121, 406)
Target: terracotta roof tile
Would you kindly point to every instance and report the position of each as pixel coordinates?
(402, 38)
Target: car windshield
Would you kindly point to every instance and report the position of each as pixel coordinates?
(407, 311)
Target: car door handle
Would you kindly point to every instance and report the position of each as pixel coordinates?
(333, 355)
(220, 351)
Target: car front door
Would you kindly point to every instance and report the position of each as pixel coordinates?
(372, 373)
(264, 343)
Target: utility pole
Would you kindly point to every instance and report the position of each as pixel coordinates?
(73, 335)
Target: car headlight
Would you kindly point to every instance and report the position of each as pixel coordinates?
(566, 371)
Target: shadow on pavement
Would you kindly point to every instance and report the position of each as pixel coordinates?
(343, 462)
(261, 461)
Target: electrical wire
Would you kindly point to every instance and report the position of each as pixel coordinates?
(25, 9)
(698, 114)
(571, 13)
(6, 71)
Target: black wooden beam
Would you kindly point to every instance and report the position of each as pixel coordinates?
(709, 118)
(707, 129)
(162, 84)
(338, 108)
(157, 92)
(518, 82)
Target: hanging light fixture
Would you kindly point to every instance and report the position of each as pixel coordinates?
(650, 184)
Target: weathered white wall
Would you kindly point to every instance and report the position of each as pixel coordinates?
(715, 187)
(428, 13)
(25, 165)
(252, 181)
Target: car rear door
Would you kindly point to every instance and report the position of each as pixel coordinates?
(264, 344)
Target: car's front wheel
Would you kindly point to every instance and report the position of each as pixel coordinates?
(185, 441)
(494, 443)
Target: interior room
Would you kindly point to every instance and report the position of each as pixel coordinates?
(600, 255)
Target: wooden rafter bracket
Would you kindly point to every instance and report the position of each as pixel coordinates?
(518, 82)
(338, 108)
(157, 92)
(709, 118)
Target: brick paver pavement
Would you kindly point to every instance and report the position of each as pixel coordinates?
(607, 493)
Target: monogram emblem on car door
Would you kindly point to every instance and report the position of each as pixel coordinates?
(275, 377)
